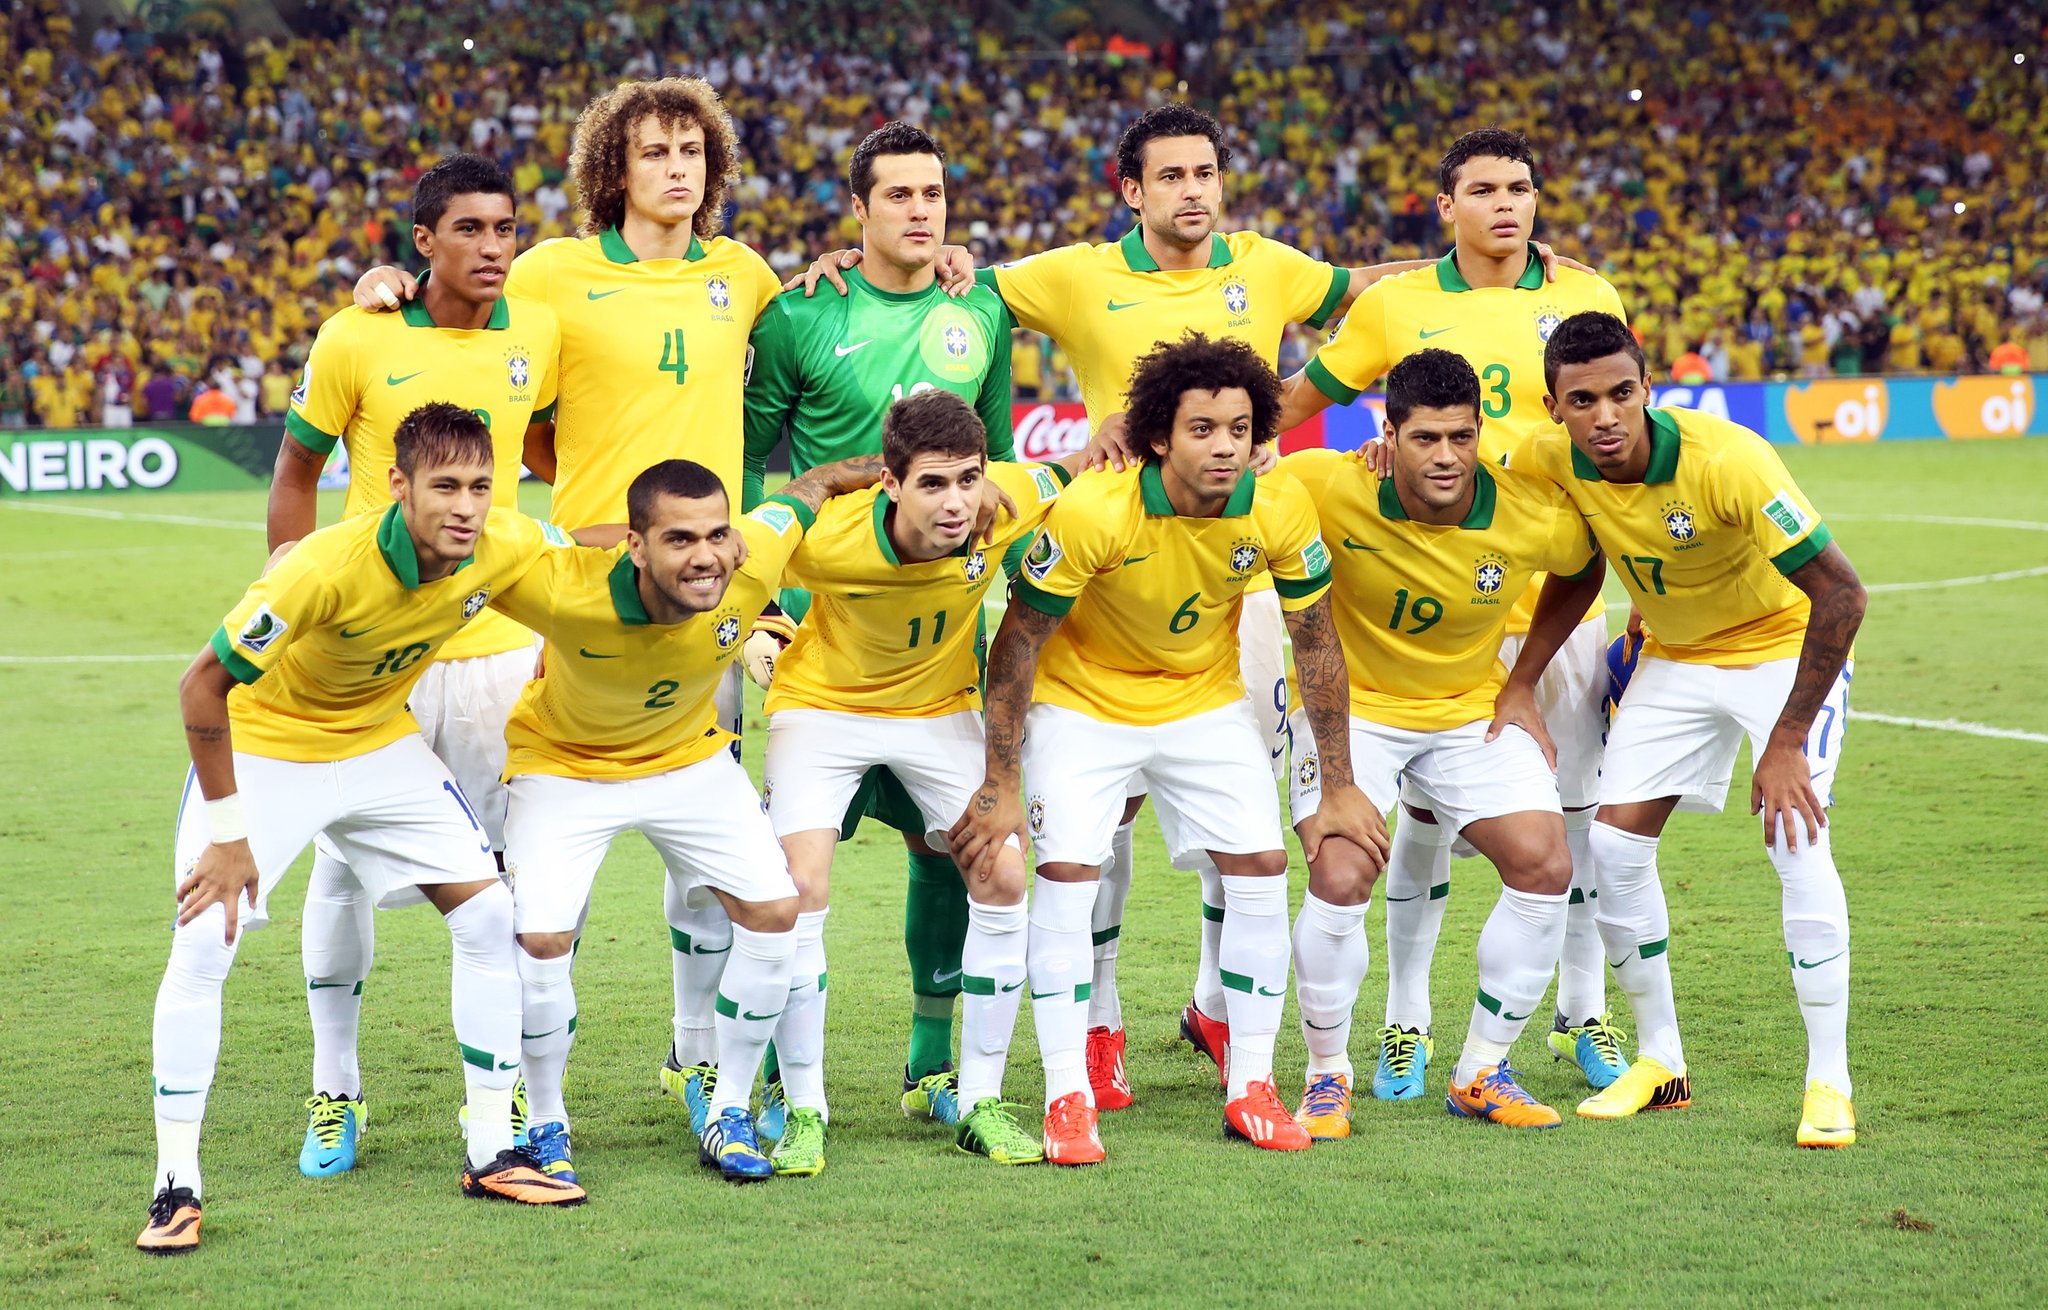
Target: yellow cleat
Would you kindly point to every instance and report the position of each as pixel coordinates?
(1326, 1107)
(1828, 1118)
(1647, 1085)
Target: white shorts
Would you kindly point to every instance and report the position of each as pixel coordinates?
(1262, 661)
(462, 706)
(816, 759)
(705, 819)
(1207, 776)
(1569, 694)
(1679, 726)
(1454, 772)
(395, 815)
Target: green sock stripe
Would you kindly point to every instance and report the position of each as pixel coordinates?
(1492, 1005)
(572, 1025)
(1236, 982)
(974, 986)
(481, 1059)
(1651, 950)
(1109, 934)
(821, 982)
(726, 1007)
(1084, 991)
(1578, 897)
(679, 941)
(1213, 913)
(1439, 891)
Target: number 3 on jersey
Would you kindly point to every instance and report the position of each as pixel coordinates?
(672, 355)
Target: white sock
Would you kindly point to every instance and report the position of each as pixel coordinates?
(1816, 914)
(177, 1155)
(186, 1040)
(1059, 964)
(1208, 996)
(991, 986)
(1517, 953)
(800, 1036)
(485, 993)
(547, 1028)
(1635, 928)
(751, 995)
(1253, 959)
(1331, 955)
(1417, 880)
(1581, 966)
(1105, 1008)
(699, 940)
(337, 943)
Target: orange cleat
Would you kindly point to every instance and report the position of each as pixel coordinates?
(1495, 1095)
(516, 1176)
(1259, 1118)
(1209, 1036)
(173, 1222)
(1325, 1109)
(1106, 1069)
(1070, 1136)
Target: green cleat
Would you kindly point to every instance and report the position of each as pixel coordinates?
(934, 1097)
(991, 1129)
(801, 1153)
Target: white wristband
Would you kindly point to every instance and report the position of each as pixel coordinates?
(224, 820)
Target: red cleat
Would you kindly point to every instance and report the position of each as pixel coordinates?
(1070, 1136)
(1209, 1036)
(1259, 1118)
(1106, 1069)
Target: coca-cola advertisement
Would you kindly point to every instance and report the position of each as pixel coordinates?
(1046, 430)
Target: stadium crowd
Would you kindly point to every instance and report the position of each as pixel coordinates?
(1834, 188)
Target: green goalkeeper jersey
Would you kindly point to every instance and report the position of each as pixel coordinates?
(825, 370)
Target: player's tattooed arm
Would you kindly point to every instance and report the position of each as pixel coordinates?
(841, 477)
(294, 491)
(994, 813)
(1781, 788)
(226, 871)
(1325, 685)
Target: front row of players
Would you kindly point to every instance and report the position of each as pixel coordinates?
(1116, 664)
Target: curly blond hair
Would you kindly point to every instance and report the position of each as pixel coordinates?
(597, 164)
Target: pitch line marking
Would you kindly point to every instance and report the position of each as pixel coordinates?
(92, 659)
(86, 512)
(1952, 725)
(1953, 521)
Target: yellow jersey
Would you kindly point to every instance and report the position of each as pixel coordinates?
(622, 696)
(654, 361)
(329, 643)
(366, 372)
(1422, 607)
(1500, 331)
(894, 639)
(1704, 542)
(1150, 599)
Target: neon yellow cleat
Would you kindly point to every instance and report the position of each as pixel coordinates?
(1827, 1118)
(1646, 1086)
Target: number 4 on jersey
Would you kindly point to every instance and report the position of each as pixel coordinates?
(672, 355)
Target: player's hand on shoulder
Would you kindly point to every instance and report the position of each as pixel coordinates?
(995, 503)
(385, 288)
(1265, 458)
(1378, 456)
(1781, 790)
(225, 874)
(1516, 707)
(956, 270)
(1552, 261)
(829, 267)
(1109, 446)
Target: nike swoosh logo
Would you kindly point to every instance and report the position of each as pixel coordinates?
(600, 295)
(1349, 544)
(593, 655)
(1324, 1027)
(699, 950)
(177, 1091)
(843, 351)
(1815, 964)
(1140, 559)
(346, 633)
(502, 1065)
(749, 1014)
(1436, 332)
(862, 595)
(1616, 964)
(390, 381)
(1057, 991)
(1128, 304)
(1416, 897)
(1513, 1018)
(1011, 988)
(1282, 991)
(534, 1037)
(941, 977)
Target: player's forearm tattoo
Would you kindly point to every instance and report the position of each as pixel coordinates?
(1012, 667)
(1325, 687)
(302, 454)
(206, 732)
(1830, 582)
(839, 478)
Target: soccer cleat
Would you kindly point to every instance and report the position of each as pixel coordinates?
(1647, 1085)
(1070, 1136)
(334, 1125)
(548, 1144)
(173, 1227)
(773, 1120)
(1595, 1046)
(730, 1145)
(516, 1176)
(1827, 1118)
(518, 1115)
(802, 1152)
(1209, 1036)
(1495, 1095)
(1404, 1057)
(693, 1085)
(1106, 1069)
(1326, 1107)
(934, 1097)
(991, 1129)
(1259, 1118)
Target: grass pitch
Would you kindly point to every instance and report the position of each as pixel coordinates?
(1938, 832)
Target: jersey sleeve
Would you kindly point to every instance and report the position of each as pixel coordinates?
(524, 540)
(1311, 289)
(278, 608)
(550, 374)
(1080, 538)
(773, 531)
(1571, 550)
(1295, 553)
(766, 285)
(1752, 488)
(528, 278)
(994, 401)
(324, 402)
(1035, 488)
(530, 601)
(774, 381)
(1039, 290)
(1349, 361)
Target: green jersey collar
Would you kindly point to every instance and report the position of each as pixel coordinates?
(625, 585)
(1478, 518)
(888, 547)
(1140, 260)
(1152, 490)
(1450, 279)
(415, 314)
(854, 277)
(394, 543)
(1664, 444)
(616, 250)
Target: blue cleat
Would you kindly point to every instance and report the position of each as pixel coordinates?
(693, 1085)
(934, 1097)
(548, 1144)
(1404, 1055)
(1595, 1046)
(773, 1121)
(729, 1145)
(333, 1127)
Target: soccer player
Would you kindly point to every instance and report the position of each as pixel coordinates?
(1751, 611)
(296, 721)
(656, 309)
(1126, 616)
(825, 371)
(884, 673)
(461, 340)
(1430, 561)
(1487, 299)
(620, 733)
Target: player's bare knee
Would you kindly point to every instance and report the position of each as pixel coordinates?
(1341, 873)
(1259, 864)
(765, 916)
(547, 945)
(1417, 813)
(1543, 870)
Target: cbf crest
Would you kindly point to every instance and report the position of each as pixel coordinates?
(1306, 772)
(1548, 319)
(1680, 524)
(1035, 814)
(519, 372)
(1244, 557)
(728, 632)
(1489, 575)
(1238, 300)
(975, 565)
(475, 602)
(720, 292)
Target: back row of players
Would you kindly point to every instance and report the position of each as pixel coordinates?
(1149, 597)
